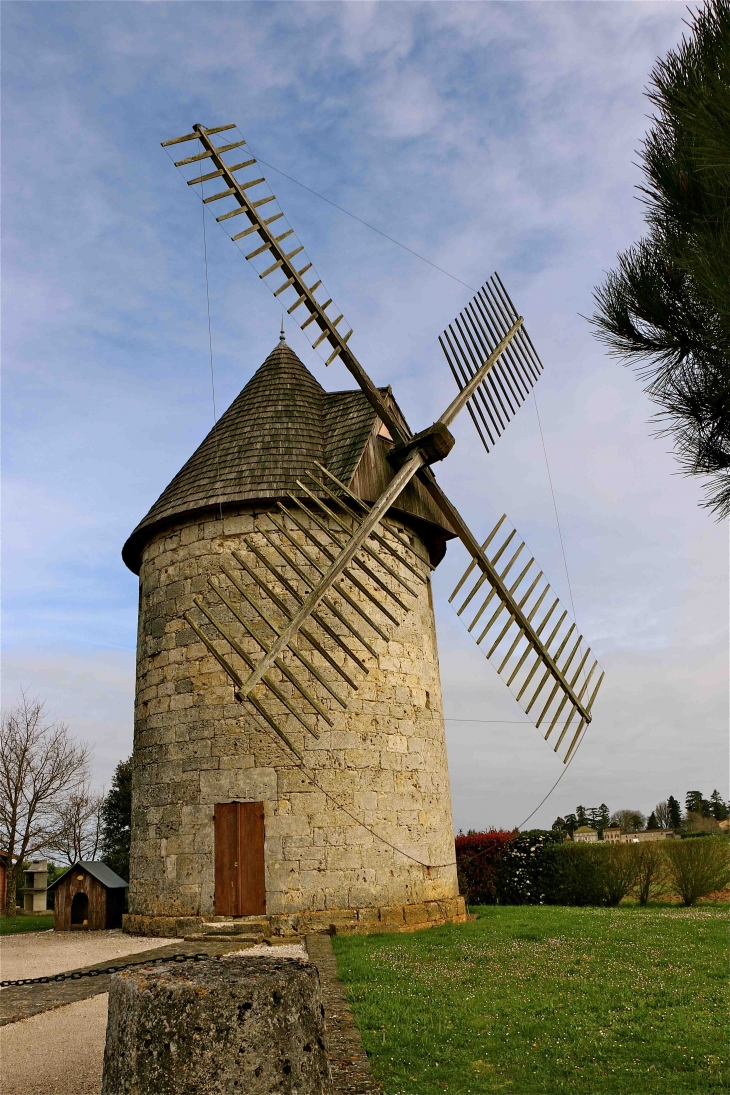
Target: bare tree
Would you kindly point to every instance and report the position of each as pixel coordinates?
(79, 825)
(695, 822)
(40, 766)
(661, 813)
(698, 866)
(651, 871)
(619, 872)
(629, 820)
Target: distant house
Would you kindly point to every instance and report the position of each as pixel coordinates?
(88, 897)
(643, 836)
(614, 835)
(36, 880)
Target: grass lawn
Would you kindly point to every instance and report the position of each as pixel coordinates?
(13, 924)
(537, 1000)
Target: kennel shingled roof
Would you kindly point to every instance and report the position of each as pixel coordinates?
(98, 870)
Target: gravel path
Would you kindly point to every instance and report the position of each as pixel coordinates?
(42, 954)
(280, 950)
(60, 1052)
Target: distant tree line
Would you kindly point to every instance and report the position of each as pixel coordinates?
(701, 815)
(544, 868)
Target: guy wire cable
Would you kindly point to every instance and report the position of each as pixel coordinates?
(557, 781)
(384, 840)
(441, 270)
(212, 374)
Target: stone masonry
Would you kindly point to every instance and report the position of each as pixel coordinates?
(217, 1027)
(329, 860)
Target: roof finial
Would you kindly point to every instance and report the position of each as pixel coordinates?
(282, 336)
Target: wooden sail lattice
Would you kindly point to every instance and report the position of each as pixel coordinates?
(260, 590)
(279, 253)
(530, 639)
(495, 366)
(470, 338)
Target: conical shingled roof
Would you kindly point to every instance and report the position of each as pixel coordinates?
(275, 429)
(273, 432)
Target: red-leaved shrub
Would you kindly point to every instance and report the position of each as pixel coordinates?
(477, 856)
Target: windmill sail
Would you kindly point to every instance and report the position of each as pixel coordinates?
(259, 593)
(529, 638)
(495, 366)
(319, 318)
(470, 338)
(286, 267)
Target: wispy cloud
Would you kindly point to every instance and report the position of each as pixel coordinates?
(493, 135)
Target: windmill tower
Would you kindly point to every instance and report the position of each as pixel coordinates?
(289, 755)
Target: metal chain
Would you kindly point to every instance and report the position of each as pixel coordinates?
(76, 975)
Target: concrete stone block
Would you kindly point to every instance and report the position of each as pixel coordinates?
(237, 760)
(282, 876)
(314, 859)
(392, 915)
(327, 919)
(253, 1025)
(294, 847)
(200, 764)
(224, 785)
(238, 525)
(397, 743)
(361, 894)
(342, 859)
(181, 701)
(287, 825)
(368, 916)
(292, 780)
(311, 805)
(415, 914)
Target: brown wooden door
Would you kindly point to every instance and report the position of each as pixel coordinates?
(240, 884)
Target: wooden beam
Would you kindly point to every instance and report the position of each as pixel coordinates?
(381, 507)
(472, 545)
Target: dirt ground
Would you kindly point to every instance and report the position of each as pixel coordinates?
(61, 1052)
(42, 954)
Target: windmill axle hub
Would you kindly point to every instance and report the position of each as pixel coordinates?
(435, 444)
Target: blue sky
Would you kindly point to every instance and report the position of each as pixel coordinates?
(483, 135)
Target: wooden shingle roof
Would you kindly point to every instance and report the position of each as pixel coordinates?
(280, 423)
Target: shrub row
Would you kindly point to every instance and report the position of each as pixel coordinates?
(477, 858)
(540, 868)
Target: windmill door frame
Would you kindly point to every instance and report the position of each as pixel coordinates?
(240, 872)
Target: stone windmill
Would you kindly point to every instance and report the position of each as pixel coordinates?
(289, 755)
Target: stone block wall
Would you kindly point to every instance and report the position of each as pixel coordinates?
(379, 781)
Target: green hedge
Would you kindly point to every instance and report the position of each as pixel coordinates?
(540, 868)
(576, 874)
(526, 870)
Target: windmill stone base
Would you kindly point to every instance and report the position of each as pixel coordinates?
(384, 761)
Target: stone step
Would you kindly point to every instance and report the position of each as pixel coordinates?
(233, 937)
(230, 927)
(253, 919)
